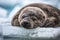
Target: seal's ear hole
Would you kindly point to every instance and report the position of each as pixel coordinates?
(56, 22)
(44, 17)
(46, 9)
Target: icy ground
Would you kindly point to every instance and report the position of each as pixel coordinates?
(22, 32)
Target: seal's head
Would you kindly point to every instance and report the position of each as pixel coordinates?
(31, 17)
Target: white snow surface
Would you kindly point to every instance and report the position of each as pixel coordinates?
(8, 29)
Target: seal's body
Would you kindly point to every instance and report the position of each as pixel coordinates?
(37, 14)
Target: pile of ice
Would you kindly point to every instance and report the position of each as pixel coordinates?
(37, 32)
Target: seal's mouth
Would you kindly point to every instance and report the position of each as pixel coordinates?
(26, 24)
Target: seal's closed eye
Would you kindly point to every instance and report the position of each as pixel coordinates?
(24, 16)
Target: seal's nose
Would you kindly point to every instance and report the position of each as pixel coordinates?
(26, 24)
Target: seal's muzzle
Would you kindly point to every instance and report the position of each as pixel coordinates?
(25, 24)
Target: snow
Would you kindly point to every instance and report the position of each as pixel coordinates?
(37, 32)
(58, 6)
(3, 12)
(25, 2)
(51, 2)
(8, 2)
(13, 12)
